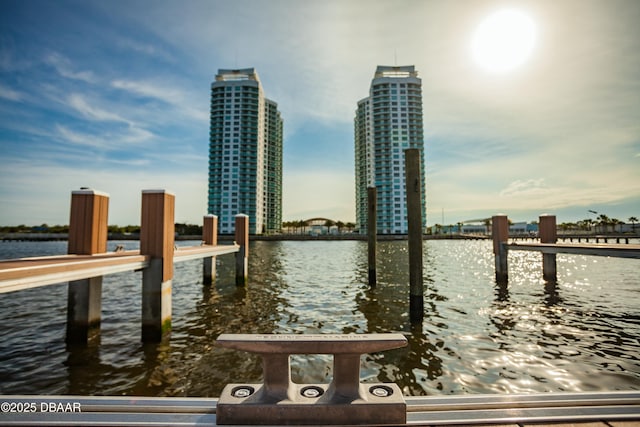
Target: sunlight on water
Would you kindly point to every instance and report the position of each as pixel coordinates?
(580, 334)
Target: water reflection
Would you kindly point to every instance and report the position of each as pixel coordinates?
(578, 334)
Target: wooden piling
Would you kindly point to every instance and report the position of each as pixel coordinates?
(209, 237)
(414, 218)
(157, 235)
(548, 234)
(372, 233)
(87, 236)
(242, 256)
(500, 234)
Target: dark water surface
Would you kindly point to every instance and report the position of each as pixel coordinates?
(582, 334)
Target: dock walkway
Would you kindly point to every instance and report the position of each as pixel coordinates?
(25, 273)
(610, 250)
(611, 409)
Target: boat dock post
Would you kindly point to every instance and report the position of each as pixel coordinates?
(157, 235)
(372, 233)
(500, 234)
(548, 234)
(87, 236)
(414, 218)
(209, 237)
(242, 256)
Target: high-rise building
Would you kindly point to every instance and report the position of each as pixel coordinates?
(386, 123)
(273, 167)
(245, 153)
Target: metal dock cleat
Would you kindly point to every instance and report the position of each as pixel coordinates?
(279, 401)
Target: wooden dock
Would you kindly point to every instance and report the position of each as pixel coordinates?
(549, 247)
(24, 273)
(607, 409)
(87, 261)
(594, 249)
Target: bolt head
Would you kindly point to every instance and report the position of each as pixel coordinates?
(312, 392)
(242, 391)
(381, 391)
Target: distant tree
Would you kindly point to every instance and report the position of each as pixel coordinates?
(586, 224)
(614, 222)
(188, 229)
(340, 226)
(131, 229)
(59, 229)
(633, 220)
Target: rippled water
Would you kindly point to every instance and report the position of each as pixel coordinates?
(582, 334)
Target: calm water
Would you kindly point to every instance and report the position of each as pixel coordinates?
(582, 334)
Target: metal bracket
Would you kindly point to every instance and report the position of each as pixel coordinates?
(278, 401)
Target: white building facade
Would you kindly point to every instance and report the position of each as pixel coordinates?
(388, 122)
(245, 152)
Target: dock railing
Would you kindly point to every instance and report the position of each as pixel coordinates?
(87, 261)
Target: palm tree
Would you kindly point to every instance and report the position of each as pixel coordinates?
(633, 221)
(604, 221)
(586, 224)
(614, 222)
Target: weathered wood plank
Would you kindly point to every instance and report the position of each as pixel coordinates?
(620, 251)
(585, 424)
(196, 252)
(25, 273)
(30, 267)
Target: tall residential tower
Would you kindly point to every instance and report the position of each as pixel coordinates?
(388, 122)
(245, 153)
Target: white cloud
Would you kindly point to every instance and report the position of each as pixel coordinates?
(105, 141)
(80, 104)
(147, 89)
(144, 48)
(165, 93)
(64, 67)
(525, 188)
(10, 94)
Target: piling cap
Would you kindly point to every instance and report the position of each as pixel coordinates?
(90, 191)
(158, 191)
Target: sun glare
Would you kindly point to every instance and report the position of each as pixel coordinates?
(503, 41)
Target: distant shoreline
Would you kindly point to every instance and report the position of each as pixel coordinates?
(47, 237)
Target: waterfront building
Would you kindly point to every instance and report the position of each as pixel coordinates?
(386, 123)
(245, 153)
(273, 167)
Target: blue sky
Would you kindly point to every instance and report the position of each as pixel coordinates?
(115, 96)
